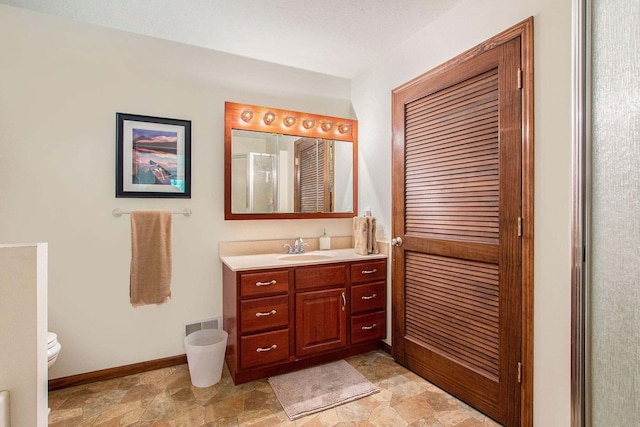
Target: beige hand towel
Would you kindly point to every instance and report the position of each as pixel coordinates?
(151, 260)
(360, 232)
(372, 242)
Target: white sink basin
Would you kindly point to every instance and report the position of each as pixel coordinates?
(310, 256)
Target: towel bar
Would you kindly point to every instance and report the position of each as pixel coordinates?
(117, 212)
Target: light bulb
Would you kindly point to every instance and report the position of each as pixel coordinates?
(326, 126)
(269, 117)
(289, 121)
(246, 115)
(344, 128)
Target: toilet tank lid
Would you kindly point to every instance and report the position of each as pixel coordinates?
(51, 337)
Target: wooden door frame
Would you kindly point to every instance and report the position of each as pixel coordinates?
(523, 31)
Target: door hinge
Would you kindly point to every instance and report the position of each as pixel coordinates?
(519, 226)
(519, 78)
(519, 372)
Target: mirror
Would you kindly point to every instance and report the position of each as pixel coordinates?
(283, 164)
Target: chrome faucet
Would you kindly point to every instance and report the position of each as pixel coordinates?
(298, 246)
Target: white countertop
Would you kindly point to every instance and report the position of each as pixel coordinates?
(273, 260)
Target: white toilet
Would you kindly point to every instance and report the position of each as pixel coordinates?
(53, 348)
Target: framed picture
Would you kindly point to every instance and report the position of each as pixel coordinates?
(153, 157)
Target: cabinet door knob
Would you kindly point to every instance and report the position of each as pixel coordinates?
(268, 313)
(396, 241)
(272, 282)
(366, 297)
(260, 350)
(368, 328)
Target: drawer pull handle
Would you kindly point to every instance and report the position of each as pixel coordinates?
(365, 297)
(268, 313)
(261, 350)
(273, 282)
(374, 270)
(368, 328)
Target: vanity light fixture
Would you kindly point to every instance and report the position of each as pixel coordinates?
(308, 123)
(326, 126)
(246, 116)
(289, 121)
(343, 128)
(269, 117)
(256, 118)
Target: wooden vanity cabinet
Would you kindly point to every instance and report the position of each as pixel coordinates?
(321, 308)
(284, 319)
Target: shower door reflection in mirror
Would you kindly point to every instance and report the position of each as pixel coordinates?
(257, 173)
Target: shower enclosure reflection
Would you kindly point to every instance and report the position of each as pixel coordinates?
(257, 173)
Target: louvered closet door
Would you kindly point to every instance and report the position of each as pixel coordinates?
(456, 277)
(312, 192)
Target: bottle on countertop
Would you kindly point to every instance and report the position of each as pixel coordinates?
(325, 241)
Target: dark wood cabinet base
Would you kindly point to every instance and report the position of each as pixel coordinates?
(284, 319)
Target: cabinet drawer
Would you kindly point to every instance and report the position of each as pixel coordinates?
(369, 271)
(264, 313)
(368, 297)
(320, 276)
(261, 349)
(266, 282)
(368, 327)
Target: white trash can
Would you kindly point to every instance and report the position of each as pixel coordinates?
(205, 356)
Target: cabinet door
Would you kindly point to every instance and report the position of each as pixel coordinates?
(321, 321)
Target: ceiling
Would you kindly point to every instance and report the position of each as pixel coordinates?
(336, 37)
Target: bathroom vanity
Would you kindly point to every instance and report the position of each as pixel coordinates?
(289, 312)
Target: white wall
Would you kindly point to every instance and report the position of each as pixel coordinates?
(23, 336)
(466, 25)
(343, 176)
(61, 84)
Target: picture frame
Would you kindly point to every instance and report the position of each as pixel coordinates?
(153, 157)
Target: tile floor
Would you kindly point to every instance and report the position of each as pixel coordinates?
(166, 398)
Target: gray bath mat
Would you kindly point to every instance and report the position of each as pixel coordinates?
(322, 387)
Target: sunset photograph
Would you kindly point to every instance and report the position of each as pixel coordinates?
(154, 156)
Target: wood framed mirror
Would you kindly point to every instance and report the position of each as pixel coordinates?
(281, 164)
